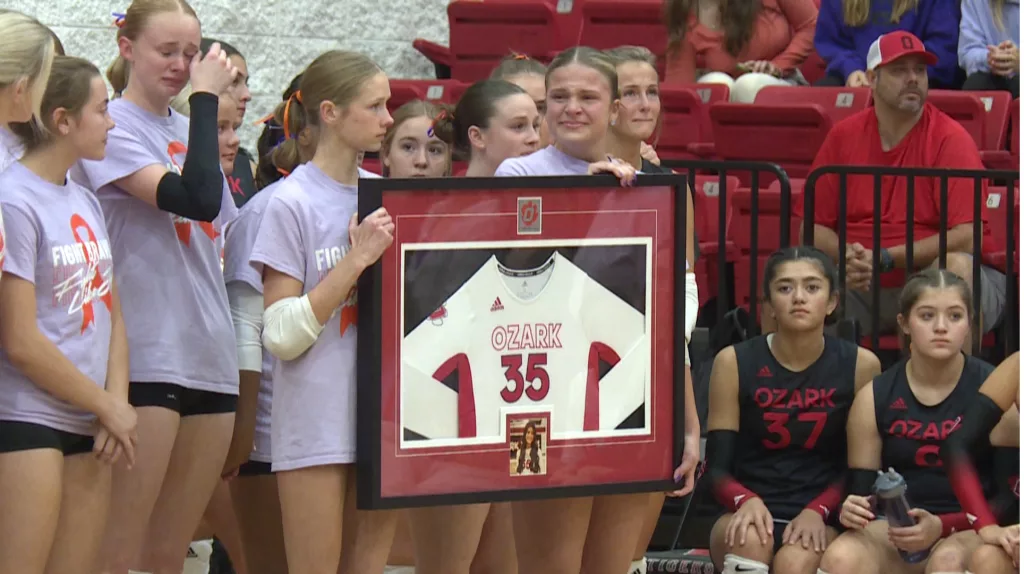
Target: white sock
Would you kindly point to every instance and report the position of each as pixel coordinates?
(638, 566)
(820, 571)
(198, 559)
(399, 570)
(734, 563)
(137, 572)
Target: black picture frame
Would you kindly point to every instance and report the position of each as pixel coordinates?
(372, 192)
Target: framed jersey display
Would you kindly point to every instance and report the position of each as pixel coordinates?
(521, 338)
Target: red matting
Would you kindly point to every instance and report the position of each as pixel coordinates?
(488, 215)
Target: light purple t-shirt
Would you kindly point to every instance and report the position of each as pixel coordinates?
(169, 272)
(56, 240)
(547, 161)
(11, 151)
(240, 238)
(11, 148)
(304, 234)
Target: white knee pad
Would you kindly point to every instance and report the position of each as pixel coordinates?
(738, 565)
(638, 566)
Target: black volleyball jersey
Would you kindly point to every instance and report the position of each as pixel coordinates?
(912, 434)
(792, 443)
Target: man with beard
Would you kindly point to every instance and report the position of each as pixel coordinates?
(901, 129)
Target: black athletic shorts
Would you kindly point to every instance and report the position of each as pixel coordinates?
(185, 402)
(17, 436)
(255, 468)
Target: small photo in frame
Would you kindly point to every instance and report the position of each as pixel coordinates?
(528, 446)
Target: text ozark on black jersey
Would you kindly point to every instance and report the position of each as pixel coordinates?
(574, 349)
(793, 424)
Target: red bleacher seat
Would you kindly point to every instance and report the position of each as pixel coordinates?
(613, 23)
(482, 33)
(965, 108)
(455, 91)
(705, 217)
(1015, 132)
(839, 103)
(813, 68)
(768, 230)
(787, 135)
(997, 156)
(997, 117)
(709, 94)
(996, 205)
(683, 122)
(403, 91)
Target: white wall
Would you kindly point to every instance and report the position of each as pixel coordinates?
(277, 37)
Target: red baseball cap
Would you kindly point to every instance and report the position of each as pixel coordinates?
(895, 45)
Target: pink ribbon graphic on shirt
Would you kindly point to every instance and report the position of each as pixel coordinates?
(182, 226)
(96, 285)
(348, 311)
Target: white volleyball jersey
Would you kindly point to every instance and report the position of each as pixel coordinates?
(552, 339)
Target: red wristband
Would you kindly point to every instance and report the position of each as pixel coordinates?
(731, 494)
(828, 501)
(954, 522)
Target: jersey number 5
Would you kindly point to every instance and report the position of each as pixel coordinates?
(777, 426)
(535, 371)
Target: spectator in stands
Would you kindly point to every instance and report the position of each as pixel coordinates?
(989, 45)
(528, 74)
(901, 129)
(846, 28)
(745, 44)
(900, 421)
(411, 148)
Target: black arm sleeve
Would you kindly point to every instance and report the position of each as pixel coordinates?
(981, 416)
(721, 449)
(860, 481)
(1006, 469)
(196, 193)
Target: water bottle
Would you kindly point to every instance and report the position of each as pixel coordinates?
(891, 492)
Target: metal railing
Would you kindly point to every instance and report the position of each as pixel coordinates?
(722, 170)
(913, 177)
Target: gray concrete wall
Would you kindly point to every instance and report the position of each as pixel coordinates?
(277, 37)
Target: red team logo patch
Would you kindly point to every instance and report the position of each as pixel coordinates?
(528, 216)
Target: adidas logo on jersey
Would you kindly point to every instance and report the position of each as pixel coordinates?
(898, 405)
(764, 372)
(497, 306)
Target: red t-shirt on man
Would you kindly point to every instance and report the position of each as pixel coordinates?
(937, 141)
